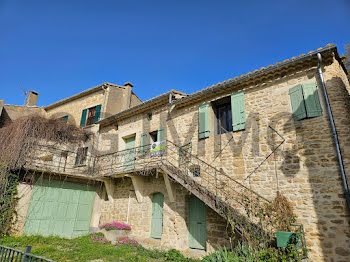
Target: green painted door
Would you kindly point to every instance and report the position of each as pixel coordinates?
(60, 208)
(129, 158)
(157, 215)
(197, 229)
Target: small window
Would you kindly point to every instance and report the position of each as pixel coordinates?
(223, 115)
(65, 119)
(154, 136)
(81, 156)
(195, 171)
(91, 116)
(149, 116)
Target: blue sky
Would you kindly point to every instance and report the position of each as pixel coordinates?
(59, 48)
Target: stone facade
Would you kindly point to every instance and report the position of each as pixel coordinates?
(175, 215)
(304, 168)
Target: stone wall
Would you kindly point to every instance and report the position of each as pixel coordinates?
(304, 168)
(175, 215)
(74, 108)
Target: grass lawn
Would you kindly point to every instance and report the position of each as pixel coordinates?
(83, 249)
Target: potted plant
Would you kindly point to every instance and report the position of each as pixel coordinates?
(114, 230)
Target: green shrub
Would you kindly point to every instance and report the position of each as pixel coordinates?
(245, 253)
(175, 255)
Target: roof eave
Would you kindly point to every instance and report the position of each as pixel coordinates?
(253, 75)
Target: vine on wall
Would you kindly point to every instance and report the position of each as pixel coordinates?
(18, 140)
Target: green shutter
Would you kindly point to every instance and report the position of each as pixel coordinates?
(83, 118)
(203, 121)
(157, 215)
(312, 102)
(160, 134)
(238, 111)
(297, 101)
(97, 114)
(143, 143)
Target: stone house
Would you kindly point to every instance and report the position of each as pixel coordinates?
(175, 167)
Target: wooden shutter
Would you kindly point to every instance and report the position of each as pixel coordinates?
(238, 111)
(143, 143)
(83, 118)
(160, 134)
(203, 121)
(97, 113)
(298, 103)
(312, 102)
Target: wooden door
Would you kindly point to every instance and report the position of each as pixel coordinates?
(157, 215)
(60, 208)
(197, 228)
(129, 157)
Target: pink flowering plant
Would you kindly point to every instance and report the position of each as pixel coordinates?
(115, 226)
(98, 238)
(128, 242)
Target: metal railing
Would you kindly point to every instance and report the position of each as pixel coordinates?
(53, 158)
(218, 190)
(137, 159)
(8, 254)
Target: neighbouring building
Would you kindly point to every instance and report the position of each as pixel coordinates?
(176, 166)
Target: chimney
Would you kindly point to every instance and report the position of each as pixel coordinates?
(128, 84)
(32, 98)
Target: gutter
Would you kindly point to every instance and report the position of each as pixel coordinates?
(334, 132)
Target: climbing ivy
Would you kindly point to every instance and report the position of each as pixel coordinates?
(8, 202)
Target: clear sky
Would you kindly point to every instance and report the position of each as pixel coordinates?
(61, 47)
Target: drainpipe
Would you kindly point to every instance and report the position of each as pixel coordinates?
(170, 97)
(98, 131)
(334, 132)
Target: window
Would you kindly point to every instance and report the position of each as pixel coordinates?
(65, 119)
(229, 112)
(90, 115)
(149, 116)
(81, 156)
(153, 135)
(157, 136)
(305, 101)
(195, 171)
(223, 114)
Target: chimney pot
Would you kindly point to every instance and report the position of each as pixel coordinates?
(128, 84)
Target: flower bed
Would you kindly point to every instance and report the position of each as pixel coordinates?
(115, 226)
(128, 242)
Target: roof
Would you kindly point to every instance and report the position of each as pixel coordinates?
(146, 105)
(81, 94)
(287, 64)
